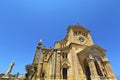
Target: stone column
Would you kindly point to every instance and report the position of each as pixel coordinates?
(108, 69)
(40, 67)
(53, 65)
(49, 68)
(101, 67)
(39, 70)
(94, 75)
(39, 59)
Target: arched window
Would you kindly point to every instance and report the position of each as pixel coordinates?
(97, 62)
(43, 75)
(65, 55)
(64, 73)
(65, 67)
(87, 69)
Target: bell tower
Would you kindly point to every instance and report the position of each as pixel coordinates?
(79, 35)
(76, 34)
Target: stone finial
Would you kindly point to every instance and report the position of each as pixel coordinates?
(40, 41)
(90, 56)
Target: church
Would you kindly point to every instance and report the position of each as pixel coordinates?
(75, 57)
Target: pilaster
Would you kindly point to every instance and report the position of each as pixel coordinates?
(75, 64)
(94, 75)
(58, 65)
(71, 71)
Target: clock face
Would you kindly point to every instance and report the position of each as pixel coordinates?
(82, 39)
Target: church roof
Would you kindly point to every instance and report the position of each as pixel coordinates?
(77, 28)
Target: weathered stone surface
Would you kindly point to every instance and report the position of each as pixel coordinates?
(75, 57)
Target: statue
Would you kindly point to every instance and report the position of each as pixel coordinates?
(10, 68)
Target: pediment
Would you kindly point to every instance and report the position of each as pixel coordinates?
(93, 49)
(98, 48)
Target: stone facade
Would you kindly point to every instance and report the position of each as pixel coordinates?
(75, 57)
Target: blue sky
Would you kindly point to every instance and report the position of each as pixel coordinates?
(24, 22)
